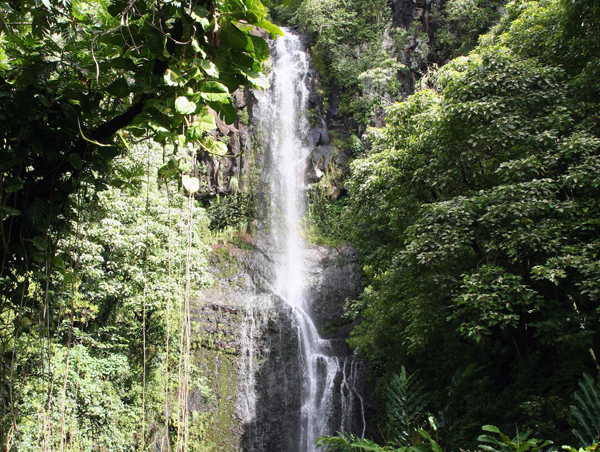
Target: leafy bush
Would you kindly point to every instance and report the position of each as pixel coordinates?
(476, 218)
(232, 210)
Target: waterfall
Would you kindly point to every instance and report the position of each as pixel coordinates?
(328, 399)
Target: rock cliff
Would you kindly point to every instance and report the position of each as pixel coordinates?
(246, 343)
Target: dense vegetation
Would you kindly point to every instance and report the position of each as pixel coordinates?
(100, 369)
(474, 210)
(367, 60)
(475, 213)
(101, 246)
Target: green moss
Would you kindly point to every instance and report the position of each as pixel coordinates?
(221, 431)
(215, 426)
(243, 116)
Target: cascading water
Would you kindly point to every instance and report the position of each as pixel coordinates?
(328, 399)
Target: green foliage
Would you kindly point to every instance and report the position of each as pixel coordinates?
(588, 412)
(101, 403)
(102, 358)
(406, 401)
(79, 82)
(352, 48)
(74, 75)
(520, 443)
(344, 442)
(490, 294)
(243, 116)
(346, 41)
(476, 218)
(354, 145)
(347, 442)
(462, 22)
(323, 221)
(234, 210)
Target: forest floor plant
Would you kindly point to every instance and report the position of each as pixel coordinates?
(407, 433)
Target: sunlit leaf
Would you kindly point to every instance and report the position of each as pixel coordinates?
(184, 106)
(191, 184)
(256, 78)
(173, 77)
(272, 29)
(208, 67)
(214, 92)
(233, 36)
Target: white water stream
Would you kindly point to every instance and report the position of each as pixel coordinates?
(327, 376)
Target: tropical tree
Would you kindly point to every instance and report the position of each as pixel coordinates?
(477, 218)
(75, 74)
(79, 82)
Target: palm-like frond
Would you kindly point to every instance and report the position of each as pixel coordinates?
(588, 411)
(406, 402)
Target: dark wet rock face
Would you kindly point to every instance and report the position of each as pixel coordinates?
(334, 280)
(278, 387)
(246, 340)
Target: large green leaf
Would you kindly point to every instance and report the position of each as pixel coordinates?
(588, 411)
(261, 48)
(272, 29)
(6, 211)
(214, 92)
(257, 8)
(184, 106)
(12, 184)
(201, 125)
(243, 60)
(249, 11)
(256, 78)
(406, 400)
(214, 147)
(155, 41)
(222, 58)
(232, 81)
(173, 77)
(226, 111)
(208, 67)
(200, 15)
(119, 88)
(157, 126)
(163, 106)
(233, 36)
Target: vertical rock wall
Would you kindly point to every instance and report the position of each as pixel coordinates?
(246, 345)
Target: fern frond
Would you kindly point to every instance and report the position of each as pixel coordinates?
(406, 401)
(588, 411)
